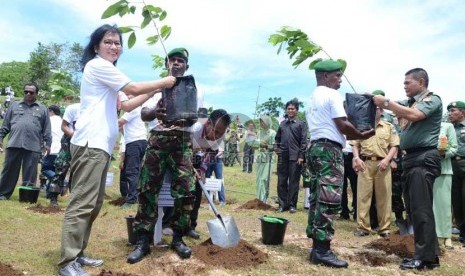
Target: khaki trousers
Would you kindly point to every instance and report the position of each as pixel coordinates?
(377, 182)
(89, 167)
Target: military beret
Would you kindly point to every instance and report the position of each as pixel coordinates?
(179, 52)
(378, 92)
(328, 65)
(457, 104)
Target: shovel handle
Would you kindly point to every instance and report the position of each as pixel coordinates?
(209, 200)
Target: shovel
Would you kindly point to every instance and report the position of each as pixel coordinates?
(405, 227)
(223, 230)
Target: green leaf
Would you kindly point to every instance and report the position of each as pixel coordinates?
(123, 10)
(147, 19)
(132, 9)
(299, 60)
(125, 29)
(152, 39)
(344, 64)
(312, 64)
(131, 40)
(165, 31)
(163, 15)
(153, 9)
(113, 9)
(302, 43)
(276, 38)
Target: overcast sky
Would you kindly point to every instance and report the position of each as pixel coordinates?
(230, 56)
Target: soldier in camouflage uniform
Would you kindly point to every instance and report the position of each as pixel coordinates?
(63, 160)
(167, 149)
(327, 124)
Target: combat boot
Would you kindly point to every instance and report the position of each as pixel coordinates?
(322, 254)
(179, 246)
(54, 200)
(141, 250)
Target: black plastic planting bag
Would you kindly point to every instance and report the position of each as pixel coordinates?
(180, 101)
(361, 111)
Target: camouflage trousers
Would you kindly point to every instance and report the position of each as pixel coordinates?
(173, 153)
(326, 167)
(62, 164)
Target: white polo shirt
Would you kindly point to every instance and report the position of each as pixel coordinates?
(324, 105)
(134, 129)
(97, 126)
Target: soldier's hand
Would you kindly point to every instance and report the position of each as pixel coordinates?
(367, 134)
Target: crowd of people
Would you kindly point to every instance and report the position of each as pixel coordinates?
(409, 156)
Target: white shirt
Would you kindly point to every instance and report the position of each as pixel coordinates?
(134, 128)
(324, 105)
(97, 126)
(71, 114)
(57, 133)
(200, 142)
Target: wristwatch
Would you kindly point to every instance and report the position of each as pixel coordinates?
(386, 102)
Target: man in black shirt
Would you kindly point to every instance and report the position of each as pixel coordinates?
(290, 145)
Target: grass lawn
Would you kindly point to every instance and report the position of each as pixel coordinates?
(30, 242)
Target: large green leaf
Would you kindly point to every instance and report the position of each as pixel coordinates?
(276, 38)
(131, 40)
(125, 29)
(147, 19)
(165, 31)
(152, 39)
(163, 15)
(123, 10)
(113, 9)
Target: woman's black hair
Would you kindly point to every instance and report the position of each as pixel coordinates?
(95, 38)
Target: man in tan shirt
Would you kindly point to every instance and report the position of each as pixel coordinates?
(372, 158)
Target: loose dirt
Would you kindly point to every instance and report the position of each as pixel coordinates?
(111, 273)
(256, 204)
(402, 246)
(44, 210)
(240, 256)
(8, 270)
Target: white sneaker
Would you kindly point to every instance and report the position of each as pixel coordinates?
(72, 269)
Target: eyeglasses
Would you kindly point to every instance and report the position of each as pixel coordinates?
(29, 92)
(109, 43)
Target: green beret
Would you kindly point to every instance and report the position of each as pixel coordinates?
(378, 92)
(328, 65)
(179, 52)
(457, 104)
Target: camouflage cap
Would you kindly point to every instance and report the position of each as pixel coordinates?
(328, 65)
(457, 104)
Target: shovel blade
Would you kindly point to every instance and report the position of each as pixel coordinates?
(224, 235)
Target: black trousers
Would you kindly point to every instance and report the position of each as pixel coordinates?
(349, 177)
(288, 181)
(458, 194)
(420, 171)
(131, 170)
(15, 158)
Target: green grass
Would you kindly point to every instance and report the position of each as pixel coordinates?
(30, 242)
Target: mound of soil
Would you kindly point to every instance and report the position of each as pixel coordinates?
(44, 210)
(7, 270)
(240, 256)
(256, 204)
(402, 246)
(111, 273)
(118, 202)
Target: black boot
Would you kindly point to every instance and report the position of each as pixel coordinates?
(141, 250)
(179, 246)
(322, 254)
(54, 200)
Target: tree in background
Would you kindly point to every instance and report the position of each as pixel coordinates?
(13, 74)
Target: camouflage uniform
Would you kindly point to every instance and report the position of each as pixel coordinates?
(62, 164)
(326, 167)
(166, 151)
